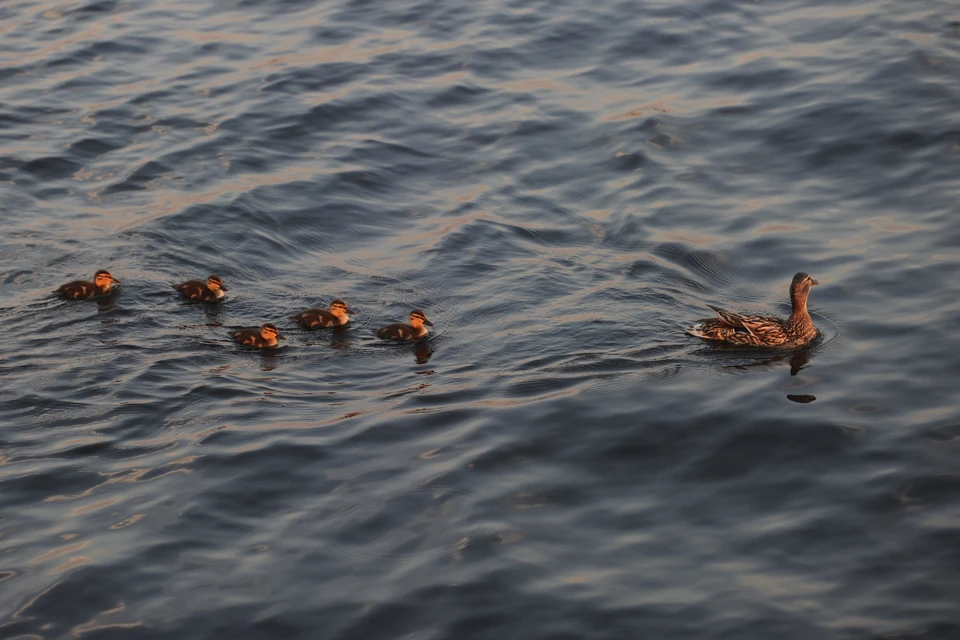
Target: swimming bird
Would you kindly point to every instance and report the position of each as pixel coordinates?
(209, 291)
(412, 331)
(102, 285)
(263, 338)
(339, 314)
(764, 331)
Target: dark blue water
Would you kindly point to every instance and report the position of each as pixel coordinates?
(561, 187)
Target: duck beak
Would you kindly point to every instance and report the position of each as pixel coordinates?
(813, 282)
(223, 288)
(349, 312)
(427, 322)
(280, 337)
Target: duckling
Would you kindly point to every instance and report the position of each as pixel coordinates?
(209, 291)
(412, 331)
(102, 285)
(263, 338)
(338, 315)
(764, 331)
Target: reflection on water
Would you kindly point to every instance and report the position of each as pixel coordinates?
(754, 358)
(340, 337)
(212, 312)
(106, 303)
(422, 352)
(269, 359)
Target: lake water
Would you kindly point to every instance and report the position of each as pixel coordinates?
(561, 187)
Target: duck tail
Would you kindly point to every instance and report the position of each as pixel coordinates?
(696, 330)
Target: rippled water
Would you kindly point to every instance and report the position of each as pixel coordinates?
(561, 187)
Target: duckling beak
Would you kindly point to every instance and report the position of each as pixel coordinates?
(427, 322)
(349, 312)
(280, 337)
(223, 288)
(813, 282)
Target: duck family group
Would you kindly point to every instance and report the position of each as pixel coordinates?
(733, 328)
(267, 335)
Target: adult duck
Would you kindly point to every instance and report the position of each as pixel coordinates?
(763, 331)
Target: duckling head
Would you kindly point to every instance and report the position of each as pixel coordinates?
(214, 283)
(418, 319)
(269, 331)
(340, 309)
(103, 279)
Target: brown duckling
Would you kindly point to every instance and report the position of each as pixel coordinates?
(263, 338)
(209, 291)
(764, 331)
(338, 315)
(102, 285)
(412, 331)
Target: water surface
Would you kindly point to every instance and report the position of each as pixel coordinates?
(561, 187)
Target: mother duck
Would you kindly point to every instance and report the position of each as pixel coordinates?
(763, 331)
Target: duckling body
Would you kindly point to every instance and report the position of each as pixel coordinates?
(263, 338)
(763, 331)
(338, 315)
(412, 331)
(209, 291)
(102, 285)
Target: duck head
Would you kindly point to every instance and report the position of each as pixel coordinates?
(800, 289)
(103, 280)
(418, 319)
(214, 283)
(340, 309)
(269, 331)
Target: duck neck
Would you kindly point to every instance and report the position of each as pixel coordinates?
(799, 315)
